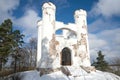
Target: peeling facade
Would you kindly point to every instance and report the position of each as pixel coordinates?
(71, 48)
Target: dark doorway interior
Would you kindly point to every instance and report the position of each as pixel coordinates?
(66, 56)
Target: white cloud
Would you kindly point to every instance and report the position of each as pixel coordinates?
(6, 8)
(29, 19)
(28, 22)
(103, 24)
(107, 8)
(108, 41)
(106, 31)
(96, 25)
(95, 44)
(60, 4)
(110, 33)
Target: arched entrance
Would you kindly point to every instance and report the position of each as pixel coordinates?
(66, 56)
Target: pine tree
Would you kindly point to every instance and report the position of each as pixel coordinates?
(5, 40)
(9, 40)
(100, 63)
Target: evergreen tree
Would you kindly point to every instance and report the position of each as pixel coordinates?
(9, 40)
(100, 63)
(5, 40)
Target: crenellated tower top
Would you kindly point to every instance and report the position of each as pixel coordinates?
(49, 5)
(80, 12)
(49, 10)
(80, 16)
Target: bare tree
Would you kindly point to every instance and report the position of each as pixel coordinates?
(20, 59)
(115, 65)
(32, 50)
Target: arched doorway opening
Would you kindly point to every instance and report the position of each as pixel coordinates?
(66, 56)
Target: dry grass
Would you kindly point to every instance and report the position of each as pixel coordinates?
(10, 71)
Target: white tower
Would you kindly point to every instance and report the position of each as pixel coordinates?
(45, 34)
(82, 37)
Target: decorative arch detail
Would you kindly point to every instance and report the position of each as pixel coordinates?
(73, 29)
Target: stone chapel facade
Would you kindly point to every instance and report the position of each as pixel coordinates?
(71, 48)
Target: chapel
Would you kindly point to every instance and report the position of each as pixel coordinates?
(69, 47)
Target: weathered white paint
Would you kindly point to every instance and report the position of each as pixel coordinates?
(74, 37)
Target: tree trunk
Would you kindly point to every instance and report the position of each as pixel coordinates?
(35, 59)
(31, 58)
(15, 64)
(0, 64)
(19, 65)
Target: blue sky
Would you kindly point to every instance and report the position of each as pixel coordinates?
(103, 20)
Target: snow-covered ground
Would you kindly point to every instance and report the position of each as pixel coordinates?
(76, 74)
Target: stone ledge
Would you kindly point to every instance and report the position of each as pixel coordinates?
(47, 70)
(88, 69)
